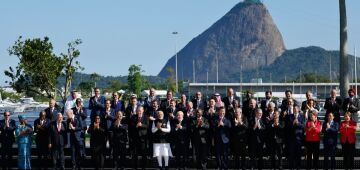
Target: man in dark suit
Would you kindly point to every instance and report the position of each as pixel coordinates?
(330, 130)
(200, 128)
(246, 102)
(199, 102)
(166, 102)
(116, 103)
(171, 110)
(305, 104)
(276, 131)
(256, 139)
(182, 104)
(96, 104)
(108, 116)
(179, 129)
(74, 127)
(120, 137)
(139, 123)
(333, 105)
(57, 141)
(268, 98)
(294, 124)
(352, 105)
(222, 139)
(284, 103)
(229, 101)
(41, 126)
(7, 138)
(80, 112)
(149, 99)
(251, 109)
(52, 110)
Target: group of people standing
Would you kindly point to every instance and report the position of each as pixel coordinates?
(196, 128)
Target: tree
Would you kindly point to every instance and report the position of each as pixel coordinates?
(170, 81)
(344, 62)
(94, 78)
(71, 65)
(135, 79)
(114, 85)
(38, 67)
(85, 88)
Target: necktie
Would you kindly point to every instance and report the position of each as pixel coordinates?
(59, 127)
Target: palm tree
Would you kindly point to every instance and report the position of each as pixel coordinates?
(344, 63)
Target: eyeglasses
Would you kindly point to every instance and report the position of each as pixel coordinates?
(7, 115)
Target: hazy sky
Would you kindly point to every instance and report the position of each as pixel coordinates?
(118, 33)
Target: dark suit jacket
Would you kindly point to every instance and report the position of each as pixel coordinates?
(81, 114)
(97, 138)
(222, 133)
(96, 106)
(57, 138)
(263, 105)
(75, 134)
(239, 133)
(202, 105)
(148, 104)
(334, 108)
(256, 136)
(42, 132)
(129, 112)
(52, 115)
(120, 133)
(107, 120)
(181, 136)
(331, 134)
(7, 133)
(119, 105)
(284, 104)
(200, 133)
(295, 133)
(304, 103)
(139, 133)
(277, 133)
(164, 104)
(351, 105)
(227, 103)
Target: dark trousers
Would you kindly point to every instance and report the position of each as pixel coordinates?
(119, 155)
(201, 156)
(6, 154)
(58, 159)
(222, 155)
(42, 154)
(110, 135)
(181, 154)
(276, 153)
(256, 152)
(240, 152)
(348, 154)
(329, 153)
(140, 150)
(294, 151)
(77, 155)
(312, 154)
(98, 156)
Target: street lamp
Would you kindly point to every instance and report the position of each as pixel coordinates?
(176, 70)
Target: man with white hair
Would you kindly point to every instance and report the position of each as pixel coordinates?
(74, 126)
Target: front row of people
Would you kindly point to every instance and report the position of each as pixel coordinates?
(175, 134)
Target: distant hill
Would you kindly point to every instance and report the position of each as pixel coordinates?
(307, 59)
(245, 36)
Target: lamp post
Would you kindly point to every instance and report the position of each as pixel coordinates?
(176, 70)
